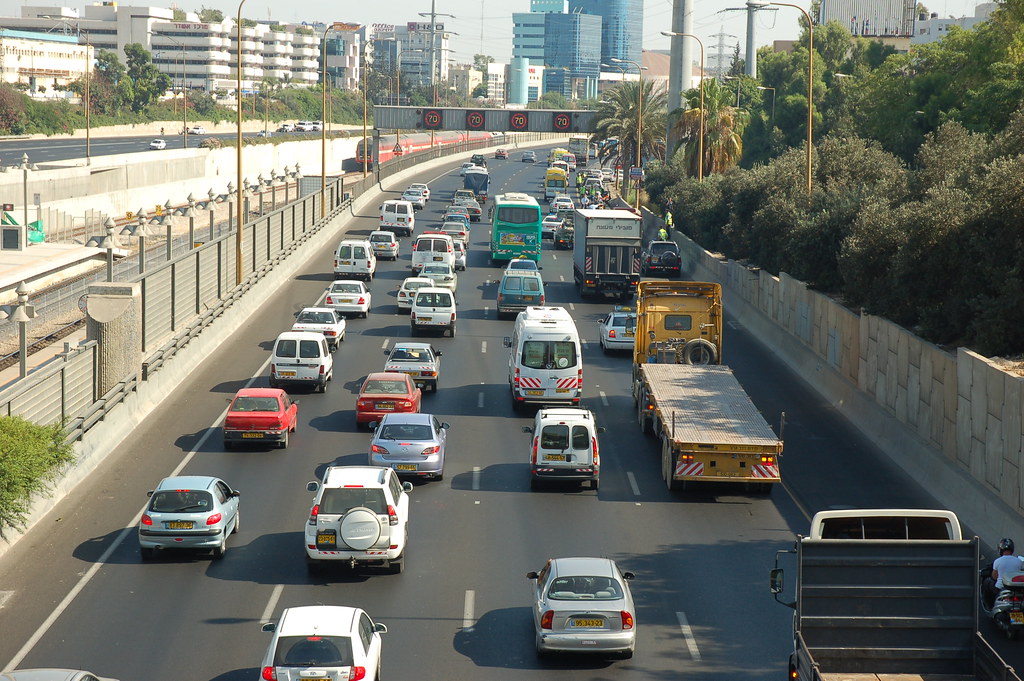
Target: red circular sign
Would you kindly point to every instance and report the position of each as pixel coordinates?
(518, 121)
(562, 122)
(474, 120)
(432, 119)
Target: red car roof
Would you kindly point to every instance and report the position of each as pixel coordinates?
(259, 392)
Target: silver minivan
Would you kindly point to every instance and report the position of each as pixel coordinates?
(301, 357)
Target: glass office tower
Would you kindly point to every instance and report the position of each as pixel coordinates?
(621, 28)
(572, 53)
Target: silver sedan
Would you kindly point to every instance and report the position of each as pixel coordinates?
(189, 512)
(411, 444)
(583, 605)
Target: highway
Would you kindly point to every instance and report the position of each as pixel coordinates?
(62, 147)
(74, 592)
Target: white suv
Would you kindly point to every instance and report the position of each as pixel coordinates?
(360, 516)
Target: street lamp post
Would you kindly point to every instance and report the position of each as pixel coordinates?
(639, 116)
(323, 122)
(88, 83)
(703, 113)
(238, 143)
(763, 87)
(810, 76)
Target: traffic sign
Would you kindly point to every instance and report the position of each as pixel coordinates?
(432, 119)
(562, 122)
(518, 121)
(474, 120)
(398, 149)
(636, 173)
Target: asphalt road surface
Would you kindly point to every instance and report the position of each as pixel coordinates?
(62, 148)
(78, 595)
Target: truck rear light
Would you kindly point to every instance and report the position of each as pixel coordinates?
(515, 379)
(768, 460)
(686, 457)
(453, 316)
(627, 620)
(533, 453)
(579, 379)
(273, 370)
(546, 619)
(323, 370)
(358, 673)
(596, 458)
(392, 515)
(313, 513)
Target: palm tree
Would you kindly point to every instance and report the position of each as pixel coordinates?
(724, 124)
(617, 117)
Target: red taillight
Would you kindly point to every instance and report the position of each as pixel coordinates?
(377, 449)
(427, 451)
(533, 455)
(392, 515)
(313, 513)
(499, 298)
(269, 674)
(453, 317)
(273, 370)
(515, 379)
(214, 519)
(579, 379)
(328, 332)
(414, 247)
(627, 620)
(146, 520)
(611, 333)
(330, 300)
(413, 318)
(596, 456)
(358, 673)
(542, 299)
(405, 403)
(546, 619)
(362, 300)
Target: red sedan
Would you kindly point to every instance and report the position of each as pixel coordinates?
(260, 415)
(386, 393)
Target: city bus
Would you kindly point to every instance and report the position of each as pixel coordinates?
(515, 230)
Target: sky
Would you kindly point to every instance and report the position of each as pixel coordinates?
(485, 26)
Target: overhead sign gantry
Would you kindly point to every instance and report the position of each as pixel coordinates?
(434, 118)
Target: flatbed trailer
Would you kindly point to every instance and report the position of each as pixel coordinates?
(710, 430)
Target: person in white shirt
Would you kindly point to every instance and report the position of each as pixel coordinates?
(1004, 564)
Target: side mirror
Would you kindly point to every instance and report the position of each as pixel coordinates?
(600, 429)
(539, 267)
(386, 351)
(531, 575)
(628, 575)
(295, 401)
(380, 628)
(269, 626)
(438, 353)
(507, 341)
(445, 425)
(236, 493)
(775, 580)
(528, 429)
(407, 486)
(149, 493)
(312, 486)
(372, 425)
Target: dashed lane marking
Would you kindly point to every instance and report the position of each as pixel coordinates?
(632, 483)
(691, 642)
(476, 478)
(604, 397)
(483, 347)
(467, 610)
(275, 595)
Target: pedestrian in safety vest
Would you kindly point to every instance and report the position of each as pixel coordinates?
(668, 218)
(663, 234)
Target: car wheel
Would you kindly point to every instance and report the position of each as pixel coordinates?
(238, 522)
(147, 552)
(433, 387)
(595, 484)
(439, 477)
(284, 442)
(451, 331)
(219, 551)
(363, 314)
(413, 331)
(604, 347)
(274, 384)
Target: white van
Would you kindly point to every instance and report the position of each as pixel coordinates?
(398, 217)
(564, 446)
(301, 357)
(433, 308)
(354, 259)
(545, 362)
(886, 523)
(432, 247)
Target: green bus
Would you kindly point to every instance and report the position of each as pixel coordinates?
(515, 231)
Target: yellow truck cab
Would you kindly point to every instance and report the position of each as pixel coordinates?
(678, 322)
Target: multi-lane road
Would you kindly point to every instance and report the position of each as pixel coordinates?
(78, 595)
(63, 148)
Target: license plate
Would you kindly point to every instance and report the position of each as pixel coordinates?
(344, 262)
(438, 258)
(385, 405)
(1017, 617)
(253, 435)
(589, 624)
(347, 300)
(424, 319)
(401, 219)
(629, 334)
(554, 457)
(528, 299)
(534, 392)
(180, 525)
(326, 538)
(405, 467)
(286, 373)
(562, 390)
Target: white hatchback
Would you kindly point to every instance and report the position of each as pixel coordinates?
(348, 296)
(407, 291)
(385, 244)
(422, 187)
(323, 641)
(442, 274)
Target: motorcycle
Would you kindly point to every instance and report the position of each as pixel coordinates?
(1007, 611)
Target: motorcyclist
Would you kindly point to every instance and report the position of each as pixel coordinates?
(1004, 564)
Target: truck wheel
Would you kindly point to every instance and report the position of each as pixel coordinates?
(699, 351)
(667, 467)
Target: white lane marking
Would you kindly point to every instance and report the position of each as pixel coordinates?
(691, 642)
(122, 535)
(467, 611)
(604, 397)
(561, 277)
(4, 597)
(480, 400)
(483, 347)
(275, 596)
(554, 257)
(487, 309)
(476, 478)
(384, 345)
(572, 306)
(632, 483)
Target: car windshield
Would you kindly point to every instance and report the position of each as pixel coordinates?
(379, 386)
(338, 500)
(313, 651)
(660, 249)
(345, 287)
(180, 501)
(544, 354)
(245, 403)
(406, 431)
(316, 318)
(584, 588)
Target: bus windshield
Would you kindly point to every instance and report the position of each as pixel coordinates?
(518, 215)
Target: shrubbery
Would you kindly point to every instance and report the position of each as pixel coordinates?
(31, 456)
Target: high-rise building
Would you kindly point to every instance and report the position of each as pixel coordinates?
(621, 29)
(545, 6)
(572, 53)
(528, 36)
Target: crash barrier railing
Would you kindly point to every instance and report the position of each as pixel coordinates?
(184, 295)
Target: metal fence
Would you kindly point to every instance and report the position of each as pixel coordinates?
(184, 293)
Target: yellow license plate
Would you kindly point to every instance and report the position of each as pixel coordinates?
(554, 457)
(347, 300)
(385, 405)
(405, 467)
(424, 319)
(1017, 617)
(592, 624)
(534, 392)
(286, 373)
(528, 298)
(180, 525)
(325, 539)
(345, 262)
(253, 435)
(562, 390)
(438, 258)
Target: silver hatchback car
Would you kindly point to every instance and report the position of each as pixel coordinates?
(583, 605)
(189, 512)
(410, 444)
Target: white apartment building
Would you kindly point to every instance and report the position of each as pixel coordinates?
(928, 29)
(496, 83)
(41, 61)
(202, 54)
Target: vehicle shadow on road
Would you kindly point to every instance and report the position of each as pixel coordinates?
(515, 477)
(316, 276)
(354, 459)
(341, 421)
(238, 675)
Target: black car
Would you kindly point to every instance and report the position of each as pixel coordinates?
(660, 256)
(478, 160)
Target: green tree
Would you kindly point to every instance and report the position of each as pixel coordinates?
(480, 90)
(31, 456)
(619, 113)
(178, 14)
(723, 130)
(13, 110)
(211, 16)
(480, 62)
(550, 100)
(147, 82)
